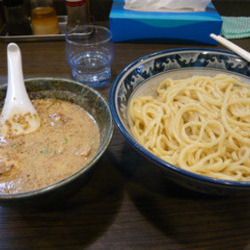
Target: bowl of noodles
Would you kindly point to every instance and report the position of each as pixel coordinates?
(188, 111)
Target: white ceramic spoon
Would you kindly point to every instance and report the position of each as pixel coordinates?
(18, 115)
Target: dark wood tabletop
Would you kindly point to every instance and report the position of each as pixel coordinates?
(127, 203)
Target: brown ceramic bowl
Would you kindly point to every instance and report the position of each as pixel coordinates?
(92, 102)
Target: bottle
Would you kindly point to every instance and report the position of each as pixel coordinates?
(17, 22)
(44, 18)
(77, 11)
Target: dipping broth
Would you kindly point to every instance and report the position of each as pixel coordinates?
(66, 141)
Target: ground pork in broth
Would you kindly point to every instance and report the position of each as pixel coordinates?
(67, 139)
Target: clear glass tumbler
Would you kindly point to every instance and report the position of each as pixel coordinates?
(90, 52)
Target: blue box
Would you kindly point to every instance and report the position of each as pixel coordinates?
(164, 27)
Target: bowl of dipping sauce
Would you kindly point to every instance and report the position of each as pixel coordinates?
(187, 111)
(55, 161)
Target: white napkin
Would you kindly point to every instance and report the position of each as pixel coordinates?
(166, 5)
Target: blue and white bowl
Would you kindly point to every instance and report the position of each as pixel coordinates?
(142, 76)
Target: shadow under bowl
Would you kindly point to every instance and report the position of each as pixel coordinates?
(141, 77)
(89, 99)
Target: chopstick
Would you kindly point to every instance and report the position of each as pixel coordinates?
(238, 50)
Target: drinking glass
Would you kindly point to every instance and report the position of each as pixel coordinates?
(90, 52)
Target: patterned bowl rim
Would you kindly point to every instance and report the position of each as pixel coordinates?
(165, 165)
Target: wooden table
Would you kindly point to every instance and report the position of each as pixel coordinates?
(125, 205)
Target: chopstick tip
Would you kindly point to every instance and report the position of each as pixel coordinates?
(212, 35)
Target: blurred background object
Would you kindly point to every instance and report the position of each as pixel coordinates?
(17, 22)
(2, 17)
(44, 17)
(77, 12)
(232, 7)
(99, 9)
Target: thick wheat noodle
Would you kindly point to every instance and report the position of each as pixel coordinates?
(201, 124)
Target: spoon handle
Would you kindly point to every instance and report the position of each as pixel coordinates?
(16, 91)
